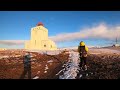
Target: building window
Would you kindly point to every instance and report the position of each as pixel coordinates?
(44, 45)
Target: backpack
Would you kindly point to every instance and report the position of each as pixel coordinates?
(82, 51)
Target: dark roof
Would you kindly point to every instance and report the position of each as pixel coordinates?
(40, 24)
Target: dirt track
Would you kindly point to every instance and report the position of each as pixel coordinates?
(44, 66)
(103, 65)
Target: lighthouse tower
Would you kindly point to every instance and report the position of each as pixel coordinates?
(39, 39)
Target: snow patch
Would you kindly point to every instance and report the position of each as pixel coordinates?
(71, 67)
(38, 72)
(36, 77)
(50, 61)
(103, 50)
(45, 71)
(46, 67)
(54, 52)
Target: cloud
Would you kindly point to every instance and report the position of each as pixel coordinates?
(12, 42)
(101, 31)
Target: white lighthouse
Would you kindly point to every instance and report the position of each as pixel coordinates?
(39, 39)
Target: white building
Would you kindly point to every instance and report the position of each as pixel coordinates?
(39, 39)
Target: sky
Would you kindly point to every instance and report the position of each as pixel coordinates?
(65, 28)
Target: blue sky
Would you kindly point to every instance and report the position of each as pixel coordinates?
(16, 25)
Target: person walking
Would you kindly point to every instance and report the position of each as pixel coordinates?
(83, 49)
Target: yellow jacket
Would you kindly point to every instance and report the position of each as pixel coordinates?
(86, 48)
(82, 54)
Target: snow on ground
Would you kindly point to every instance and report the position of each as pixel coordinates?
(53, 52)
(36, 77)
(50, 61)
(1, 57)
(103, 50)
(6, 56)
(46, 67)
(71, 67)
(91, 50)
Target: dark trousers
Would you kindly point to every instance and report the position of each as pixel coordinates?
(83, 61)
(26, 70)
